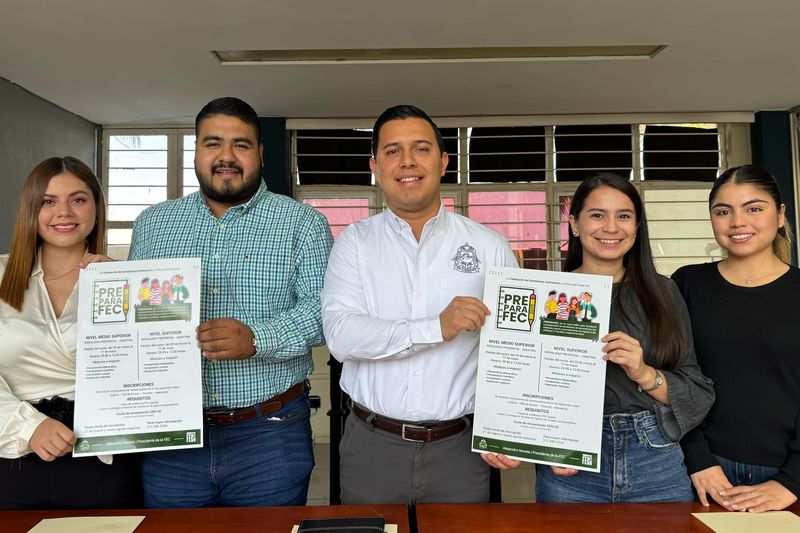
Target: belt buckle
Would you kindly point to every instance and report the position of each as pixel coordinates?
(412, 426)
(229, 413)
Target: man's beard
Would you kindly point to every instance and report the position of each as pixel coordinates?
(228, 194)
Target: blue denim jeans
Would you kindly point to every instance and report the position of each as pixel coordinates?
(745, 474)
(638, 464)
(263, 461)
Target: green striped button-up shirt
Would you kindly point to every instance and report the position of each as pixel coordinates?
(262, 263)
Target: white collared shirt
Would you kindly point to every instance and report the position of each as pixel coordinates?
(37, 360)
(381, 302)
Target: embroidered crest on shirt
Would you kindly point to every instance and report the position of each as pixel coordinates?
(466, 259)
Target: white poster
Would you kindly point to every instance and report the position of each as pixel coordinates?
(541, 376)
(138, 383)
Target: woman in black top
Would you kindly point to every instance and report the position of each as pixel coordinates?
(745, 314)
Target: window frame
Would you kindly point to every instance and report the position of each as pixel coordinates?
(732, 134)
(174, 162)
(553, 189)
(794, 119)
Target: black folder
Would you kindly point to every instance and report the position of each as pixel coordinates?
(343, 525)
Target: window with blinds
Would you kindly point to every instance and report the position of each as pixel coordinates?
(680, 231)
(581, 151)
(507, 155)
(680, 152)
(519, 180)
(332, 157)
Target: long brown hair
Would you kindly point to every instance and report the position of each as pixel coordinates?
(668, 338)
(762, 179)
(26, 238)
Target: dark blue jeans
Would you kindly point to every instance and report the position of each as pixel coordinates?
(638, 464)
(259, 462)
(745, 474)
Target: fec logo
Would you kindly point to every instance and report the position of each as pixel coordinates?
(110, 301)
(516, 308)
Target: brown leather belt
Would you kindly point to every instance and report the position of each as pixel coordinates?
(224, 417)
(408, 431)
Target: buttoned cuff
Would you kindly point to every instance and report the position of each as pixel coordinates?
(425, 330)
(27, 419)
(264, 338)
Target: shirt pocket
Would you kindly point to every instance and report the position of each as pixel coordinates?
(463, 285)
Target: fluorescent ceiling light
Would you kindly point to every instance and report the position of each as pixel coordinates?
(436, 55)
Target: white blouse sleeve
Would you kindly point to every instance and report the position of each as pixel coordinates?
(19, 420)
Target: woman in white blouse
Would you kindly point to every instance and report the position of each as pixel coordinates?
(59, 229)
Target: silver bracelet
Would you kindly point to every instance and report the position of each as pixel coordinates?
(656, 384)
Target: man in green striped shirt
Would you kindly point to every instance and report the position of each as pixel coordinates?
(263, 260)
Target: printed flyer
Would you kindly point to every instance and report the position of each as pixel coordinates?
(541, 377)
(138, 381)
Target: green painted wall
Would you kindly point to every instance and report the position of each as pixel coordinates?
(771, 140)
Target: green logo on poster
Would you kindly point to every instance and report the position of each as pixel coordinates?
(110, 301)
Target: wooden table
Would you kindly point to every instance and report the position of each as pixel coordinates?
(226, 519)
(561, 517)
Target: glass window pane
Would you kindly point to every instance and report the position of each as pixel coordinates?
(450, 138)
(137, 142)
(507, 155)
(334, 157)
(137, 176)
(189, 180)
(681, 152)
(119, 236)
(136, 195)
(519, 215)
(340, 212)
(189, 177)
(564, 203)
(680, 229)
(582, 151)
(188, 142)
(125, 213)
(137, 159)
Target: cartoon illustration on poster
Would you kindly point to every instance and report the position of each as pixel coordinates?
(138, 383)
(541, 376)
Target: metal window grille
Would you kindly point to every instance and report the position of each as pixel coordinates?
(515, 179)
(519, 180)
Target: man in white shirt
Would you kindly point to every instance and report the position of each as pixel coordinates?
(402, 309)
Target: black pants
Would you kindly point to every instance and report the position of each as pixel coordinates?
(70, 483)
(67, 482)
